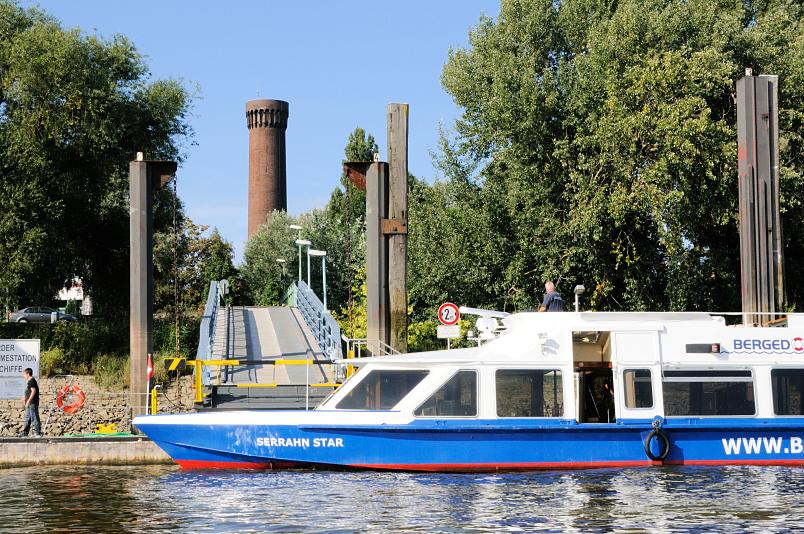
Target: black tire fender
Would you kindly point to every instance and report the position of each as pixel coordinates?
(664, 441)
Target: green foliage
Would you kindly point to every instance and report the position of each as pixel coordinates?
(111, 371)
(349, 201)
(83, 341)
(422, 336)
(74, 109)
(165, 336)
(352, 316)
(53, 362)
(201, 259)
(597, 145)
(261, 272)
(452, 249)
(72, 307)
(100, 346)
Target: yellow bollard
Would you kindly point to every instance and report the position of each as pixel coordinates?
(350, 369)
(153, 400)
(198, 396)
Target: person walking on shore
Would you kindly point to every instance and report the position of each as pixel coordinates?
(552, 300)
(31, 400)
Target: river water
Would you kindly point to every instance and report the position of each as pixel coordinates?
(163, 498)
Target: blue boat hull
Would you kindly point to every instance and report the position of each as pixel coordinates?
(477, 445)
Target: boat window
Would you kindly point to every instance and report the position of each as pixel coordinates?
(788, 388)
(696, 392)
(381, 389)
(638, 388)
(529, 393)
(456, 398)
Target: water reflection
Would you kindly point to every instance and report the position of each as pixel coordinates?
(160, 498)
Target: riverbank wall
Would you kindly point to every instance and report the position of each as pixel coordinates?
(103, 408)
(112, 450)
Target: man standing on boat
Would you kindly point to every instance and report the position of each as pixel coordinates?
(552, 300)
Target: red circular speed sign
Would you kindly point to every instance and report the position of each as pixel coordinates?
(448, 314)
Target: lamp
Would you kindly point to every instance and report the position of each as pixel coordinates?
(579, 289)
(304, 243)
(323, 255)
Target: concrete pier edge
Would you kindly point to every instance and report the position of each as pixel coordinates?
(112, 450)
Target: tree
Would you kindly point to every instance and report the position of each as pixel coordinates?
(598, 140)
(74, 109)
(348, 200)
(200, 258)
(346, 214)
(262, 274)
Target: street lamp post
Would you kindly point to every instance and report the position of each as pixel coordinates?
(579, 289)
(304, 243)
(281, 261)
(298, 238)
(323, 254)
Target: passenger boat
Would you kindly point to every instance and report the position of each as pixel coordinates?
(551, 391)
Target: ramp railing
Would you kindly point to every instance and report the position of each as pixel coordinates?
(325, 328)
(207, 329)
(289, 298)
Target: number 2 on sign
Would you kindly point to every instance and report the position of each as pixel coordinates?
(448, 314)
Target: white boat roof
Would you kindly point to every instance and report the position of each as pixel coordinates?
(525, 327)
(524, 331)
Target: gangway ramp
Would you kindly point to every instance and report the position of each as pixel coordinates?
(261, 333)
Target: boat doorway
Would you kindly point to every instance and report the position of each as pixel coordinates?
(595, 395)
(591, 355)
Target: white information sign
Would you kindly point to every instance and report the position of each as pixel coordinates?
(448, 331)
(15, 356)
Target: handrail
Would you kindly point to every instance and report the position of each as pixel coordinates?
(206, 336)
(374, 347)
(324, 327)
(289, 297)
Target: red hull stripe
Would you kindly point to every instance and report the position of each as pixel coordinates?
(205, 464)
(512, 466)
(736, 462)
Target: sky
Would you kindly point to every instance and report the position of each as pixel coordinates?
(338, 64)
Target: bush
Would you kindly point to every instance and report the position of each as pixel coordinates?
(53, 362)
(72, 307)
(165, 336)
(100, 346)
(111, 371)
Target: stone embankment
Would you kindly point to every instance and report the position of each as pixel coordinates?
(101, 407)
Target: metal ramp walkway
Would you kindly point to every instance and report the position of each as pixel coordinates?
(288, 354)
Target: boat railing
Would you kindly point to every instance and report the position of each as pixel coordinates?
(757, 319)
(487, 325)
(359, 348)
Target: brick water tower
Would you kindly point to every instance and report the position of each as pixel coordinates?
(267, 121)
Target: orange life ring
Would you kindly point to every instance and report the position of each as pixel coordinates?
(70, 398)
